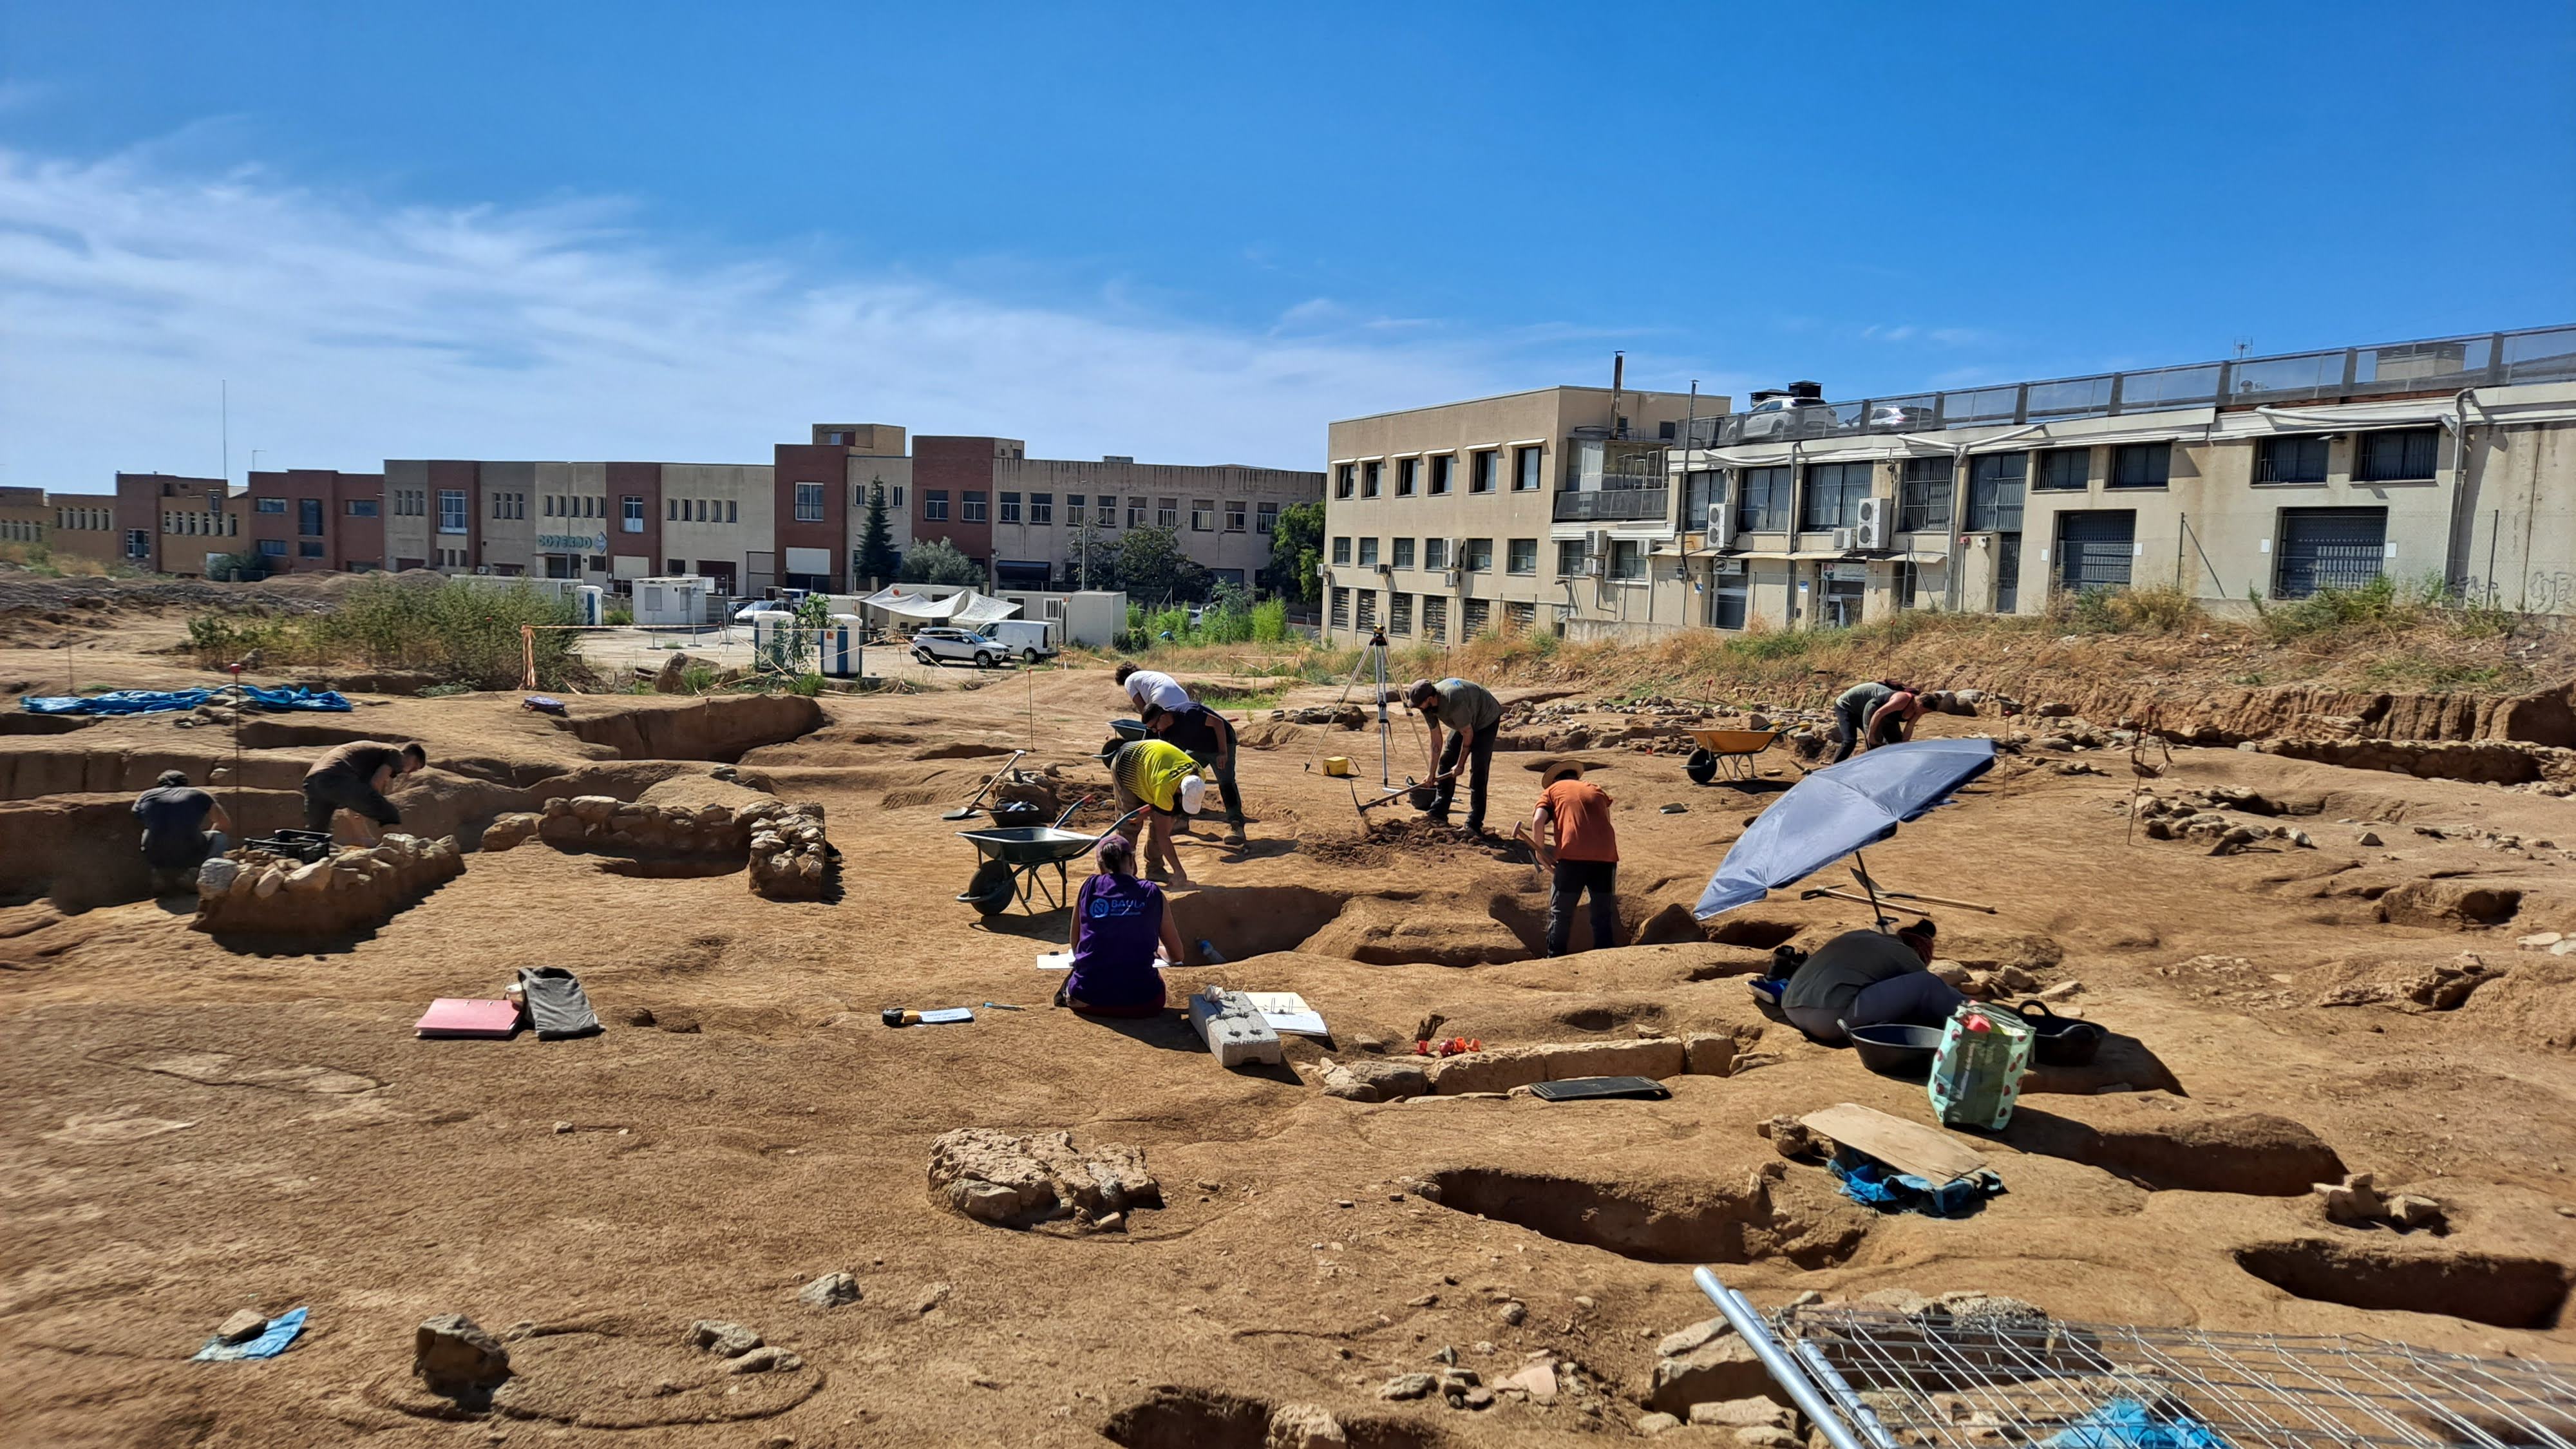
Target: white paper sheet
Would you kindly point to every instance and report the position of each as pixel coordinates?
(1286, 1011)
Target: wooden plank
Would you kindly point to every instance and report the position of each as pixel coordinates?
(1909, 1147)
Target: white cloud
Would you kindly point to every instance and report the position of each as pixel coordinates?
(350, 333)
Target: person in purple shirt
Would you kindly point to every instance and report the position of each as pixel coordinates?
(1119, 922)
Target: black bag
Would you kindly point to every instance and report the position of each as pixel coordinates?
(555, 1004)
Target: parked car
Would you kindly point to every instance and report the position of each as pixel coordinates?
(940, 646)
(1900, 415)
(1780, 417)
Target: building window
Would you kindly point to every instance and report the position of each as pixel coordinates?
(1265, 518)
(1042, 509)
(1368, 553)
(2403, 456)
(2290, 460)
(630, 512)
(934, 505)
(1479, 616)
(1569, 558)
(1834, 492)
(1010, 508)
(1435, 618)
(1995, 492)
(1075, 508)
(1234, 512)
(1399, 614)
(1480, 471)
(733, 510)
(1342, 549)
(1727, 602)
(1763, 503)
(1702, 491)
(269, 505)
(1521, 616)
(1366, 618)
(809, 503)
(972, 508)
(451, 510)
(2141, 465)
(2065, 470)
(1407, 472)
(1476, 556)
(1135, 513)
(1167, 513)
(272, 548)
(1520, 556)
(1368, 479)
(1104, 511)
(1525, 468)
(308, 549)
(1403, 553)
(1342, 479)
(1627, 559)
(898, 497)
(1341, 615)
(308, 517)
(1435, 553)
(1843, 598)
(1442, 465)
(1923, 496)
(2329, 548)
(670, 509)
(1202, 515)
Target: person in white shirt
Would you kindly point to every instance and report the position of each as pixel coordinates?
(1146, 686)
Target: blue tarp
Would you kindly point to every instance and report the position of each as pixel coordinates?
(1838, 810)
(1874, 1184)
(2128, 1424)
(296, 696)
(121, 701)
(271, 1341)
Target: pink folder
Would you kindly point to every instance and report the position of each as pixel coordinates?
(459, 1016)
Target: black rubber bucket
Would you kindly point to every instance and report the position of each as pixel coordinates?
(2059, 1041)
(1896, 1051)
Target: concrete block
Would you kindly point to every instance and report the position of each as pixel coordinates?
(1233, 1030)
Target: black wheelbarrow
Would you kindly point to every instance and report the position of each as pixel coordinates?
(1016, 858)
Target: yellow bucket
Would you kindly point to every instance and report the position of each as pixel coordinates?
(1339, 767)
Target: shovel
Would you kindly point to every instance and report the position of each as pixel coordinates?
(967, 811)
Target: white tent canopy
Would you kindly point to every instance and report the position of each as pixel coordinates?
(967, 607)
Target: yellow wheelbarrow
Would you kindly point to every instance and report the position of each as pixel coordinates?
(1725, 752)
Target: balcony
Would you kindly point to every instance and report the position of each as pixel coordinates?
(1613, 505)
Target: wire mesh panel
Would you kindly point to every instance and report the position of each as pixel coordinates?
(1903, 1380)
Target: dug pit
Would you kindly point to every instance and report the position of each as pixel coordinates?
(1661, 1222)
(2509, 1292)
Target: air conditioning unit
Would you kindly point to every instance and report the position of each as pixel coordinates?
(1386, 568)
(482, 568)
(1452, 579)
(1721, 525)
(1597, 542)
(1592, 566)
(1846, 539)
(1872, 529)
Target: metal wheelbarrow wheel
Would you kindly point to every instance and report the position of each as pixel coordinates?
(991, 890)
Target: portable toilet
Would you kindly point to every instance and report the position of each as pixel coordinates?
(773, 639)
(840, 647)
(589, 605)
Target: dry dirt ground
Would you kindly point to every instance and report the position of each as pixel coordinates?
(190, 1127)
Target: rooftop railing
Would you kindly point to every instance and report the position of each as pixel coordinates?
(2445, 364)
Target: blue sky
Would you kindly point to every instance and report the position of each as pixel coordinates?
(1198, 233)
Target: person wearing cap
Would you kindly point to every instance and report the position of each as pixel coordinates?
(1163, 780)
(1573, 837)
(1868, 978)
(1876, 712)
(174, 815)
(1151, 687)
(1467, 713)
(1209, 738)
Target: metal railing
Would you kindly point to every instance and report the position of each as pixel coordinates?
(1612, 505)
(2442, 364)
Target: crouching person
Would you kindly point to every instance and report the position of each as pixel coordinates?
(1123, 935)
(174, 815)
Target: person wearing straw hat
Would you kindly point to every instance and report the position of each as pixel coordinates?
(1163, 780)
(1572, 836)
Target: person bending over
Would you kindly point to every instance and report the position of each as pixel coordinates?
(354, 777)
(1468, 713)
(1208, 737)
(1163, 779)
(1573, 838)
(1876, 712)
(174, 815)
(1865, 978)
(1151, 687)
(1123, 934)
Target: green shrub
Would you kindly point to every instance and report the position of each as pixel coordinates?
(698, 678)
(1270, 622)
(619, 615)
(808, 684)
(463, 633)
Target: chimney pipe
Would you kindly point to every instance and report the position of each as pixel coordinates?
(1618, 384)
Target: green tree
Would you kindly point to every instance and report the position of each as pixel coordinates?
(939, 562)
(1296, 548)
(1152, 568)
(877, 558)
(1104, 561)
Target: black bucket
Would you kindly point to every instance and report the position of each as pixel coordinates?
(1018, 812)
(1128, 729)
(1896, 1051)
(2060, 1041)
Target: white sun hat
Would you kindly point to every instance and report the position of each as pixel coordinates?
(1193, 789)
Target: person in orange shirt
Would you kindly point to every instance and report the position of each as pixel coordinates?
(1572, 834)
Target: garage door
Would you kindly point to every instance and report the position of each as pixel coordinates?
(2094, 547)
(2329, 548)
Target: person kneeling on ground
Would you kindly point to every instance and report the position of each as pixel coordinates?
(173, 814)
(1208, 737)
(1123, 934)
(1572, 835)
(354, 777)
(1164, 779)
(1865, 978)
(1469, 712)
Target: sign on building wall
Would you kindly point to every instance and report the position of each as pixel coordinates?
(572, 542)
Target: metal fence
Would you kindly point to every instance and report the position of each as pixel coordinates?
(2445, 364)
(1612, 505)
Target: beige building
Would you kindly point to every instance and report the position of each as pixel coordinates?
(1534, 509)
(26, 517)
(1223, 514)
(2448, 463)
(83, 524)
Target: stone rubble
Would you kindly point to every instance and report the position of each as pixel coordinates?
(789, 855)
(996, 1177)
(832, 1290)
(452, 1355)
(354, 888)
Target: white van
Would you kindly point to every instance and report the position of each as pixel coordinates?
(1028, 640)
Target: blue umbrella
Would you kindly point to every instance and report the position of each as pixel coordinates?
(1839, 810)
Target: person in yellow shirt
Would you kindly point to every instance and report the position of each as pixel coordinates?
(1164, 779)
